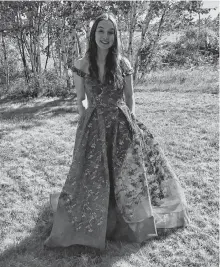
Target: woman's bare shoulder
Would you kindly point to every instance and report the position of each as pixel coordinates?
(82, 64)
(125, 61)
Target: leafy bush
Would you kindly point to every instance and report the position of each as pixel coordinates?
(49, 84)
(53, 85)
(20, 89)
(192, 49)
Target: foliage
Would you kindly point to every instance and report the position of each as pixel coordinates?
(20, 89)
(192, 49)
(58, 31)
(13, 64)
(52, 85)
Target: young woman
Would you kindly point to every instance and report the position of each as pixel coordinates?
(120, 185)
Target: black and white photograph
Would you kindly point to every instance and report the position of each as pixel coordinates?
(109, 133)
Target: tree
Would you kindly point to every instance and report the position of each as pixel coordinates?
(60, 29)
(5, 60)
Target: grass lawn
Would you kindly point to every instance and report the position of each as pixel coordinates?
(36, 145)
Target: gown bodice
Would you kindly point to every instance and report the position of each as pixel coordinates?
(102, 94)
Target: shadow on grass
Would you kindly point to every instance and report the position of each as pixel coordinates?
(10, 100)
(54, 108)
(28, 115)
(31, 251)
(32, 247)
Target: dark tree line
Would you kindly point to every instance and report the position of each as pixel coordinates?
(58, 32)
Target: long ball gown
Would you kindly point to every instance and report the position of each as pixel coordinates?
(120, 185)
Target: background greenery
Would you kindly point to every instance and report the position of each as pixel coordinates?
(40, 40)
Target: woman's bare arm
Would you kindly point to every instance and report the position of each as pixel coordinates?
(129, 93)
(80, 89)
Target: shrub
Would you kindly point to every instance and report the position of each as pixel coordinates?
(48, 84)
(192, 49)
(20, 89)
(53, 85)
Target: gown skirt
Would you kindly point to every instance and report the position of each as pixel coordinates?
(120, 185)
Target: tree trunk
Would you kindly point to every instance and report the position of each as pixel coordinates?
(60, 61)
(54, 62)
(48, 45)
(132, 25)
(23, 57)
(61, 46)
(38, 57)
(37, 36)
(87, 32)
(145, 26)
(33, 46)
(78, 46)
(122, 46)
(30, 48)
(198, 43)
(154, 43)
(6, 67)
(64, 54)
(21, 43)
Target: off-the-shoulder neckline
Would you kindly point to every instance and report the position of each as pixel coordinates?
(81, 71)
(85, 74)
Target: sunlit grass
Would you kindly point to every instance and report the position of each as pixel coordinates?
(36, 145)
(202, 79)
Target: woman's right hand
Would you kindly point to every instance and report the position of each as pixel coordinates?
(81, 111)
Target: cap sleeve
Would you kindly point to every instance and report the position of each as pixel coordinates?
(126, 67)
(78, 72)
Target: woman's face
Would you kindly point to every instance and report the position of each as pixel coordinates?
(105, 34)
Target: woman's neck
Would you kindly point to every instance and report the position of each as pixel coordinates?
(101, 56)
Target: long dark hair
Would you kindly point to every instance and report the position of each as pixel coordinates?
(112, 63)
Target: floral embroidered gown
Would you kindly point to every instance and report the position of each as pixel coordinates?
(120, 186)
